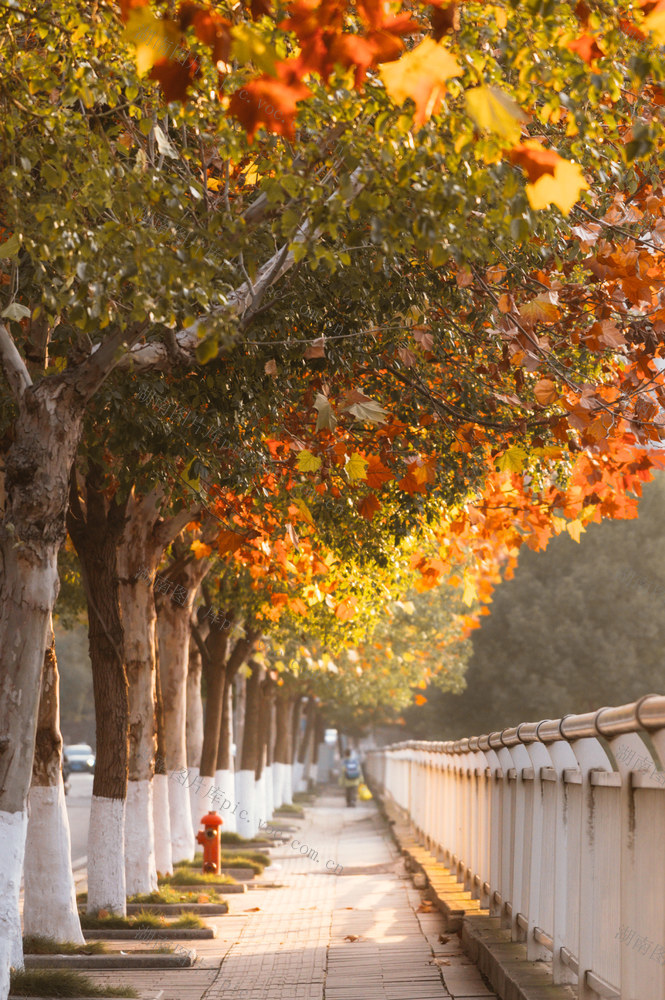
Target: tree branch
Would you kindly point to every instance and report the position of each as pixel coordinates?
(13, 365)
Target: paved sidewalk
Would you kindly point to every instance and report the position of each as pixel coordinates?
(354, 933)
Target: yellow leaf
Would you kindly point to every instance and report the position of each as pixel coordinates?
(655, 24)
(249, 46)
(213, 183)
(512, 460)
(308, 462)
(494, 111)
(563, 189)
(304, 510)
(575, 529)
(470, 593)
(200, 549)
(153, 37)
(420, 75)
(356, 467)
(500, 16)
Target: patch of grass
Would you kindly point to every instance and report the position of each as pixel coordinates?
(169, 895)
(190, 876)
(234, 838)
(307, 797)
(139, 921)
(292, 810)
(61, 983)
(188, 920)
(35, 944)
(232, 860)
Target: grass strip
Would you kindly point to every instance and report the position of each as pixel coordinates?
(61, 983)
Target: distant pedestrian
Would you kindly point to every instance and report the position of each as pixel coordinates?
(351, 777)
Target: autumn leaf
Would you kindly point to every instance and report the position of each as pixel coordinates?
(200, 550)
(575, 529)
(377, 473)
(494, 111)
(586, 47)
(655, 23)
(368, 410)
(326, 419)
(368, 507)
(444, 18)
(420, 699)
(307, 462)
(153, 37)
(421, 75)
(249, 47)
(346, 609)
(304, 510)
(553, 180)
(229, 542)
(512, 460)
(356, 467)
(270, 367)
(271, 102)
(316, 349)
(545, 391)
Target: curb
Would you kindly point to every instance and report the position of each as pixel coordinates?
(154, 961)
(225, 889)
(209, 909)
(156, 933)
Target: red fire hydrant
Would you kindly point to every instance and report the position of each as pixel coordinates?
(209, 837)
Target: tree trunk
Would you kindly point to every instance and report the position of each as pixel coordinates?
(298, 740)
(225, 771)
(285, 707)
(160, 793)
(96, 536)
(245, 778)
(174, 631)
(194, 707)
(139, 554)
(36, 475)
(263, 774)
(214, 670)
(49, 908)
(194, 719)
(308, 744)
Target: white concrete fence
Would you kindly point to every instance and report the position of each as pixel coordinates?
(558, 828)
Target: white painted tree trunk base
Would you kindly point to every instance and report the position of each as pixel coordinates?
(13, 828)
(140, 868)
(162, 824)
(268, 792)
(202, 802)
(106, 856)
(226, 782)
(247, 822)
(49, 908)
(182, 831)
(288, 788)
(298, 783)
(277, 785)
(260, 808)
(194, 799)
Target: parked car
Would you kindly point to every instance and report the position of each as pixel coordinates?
(80, 757)
(66, 770)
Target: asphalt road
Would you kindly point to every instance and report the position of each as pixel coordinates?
(78, 808)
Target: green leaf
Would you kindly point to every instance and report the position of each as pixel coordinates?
(15, 311)
(10, 247)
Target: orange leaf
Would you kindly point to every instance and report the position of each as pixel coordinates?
(270, 102)
(545, 391)
(346, 610)
(377, 473)
(368, 507)
(586, 47)
(173, 78)
(420, 699)
(229, 542)
(535, 160)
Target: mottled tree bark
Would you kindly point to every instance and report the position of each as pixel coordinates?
(95, 527)
(49, 907)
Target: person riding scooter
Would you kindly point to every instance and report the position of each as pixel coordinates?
(351, 777)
